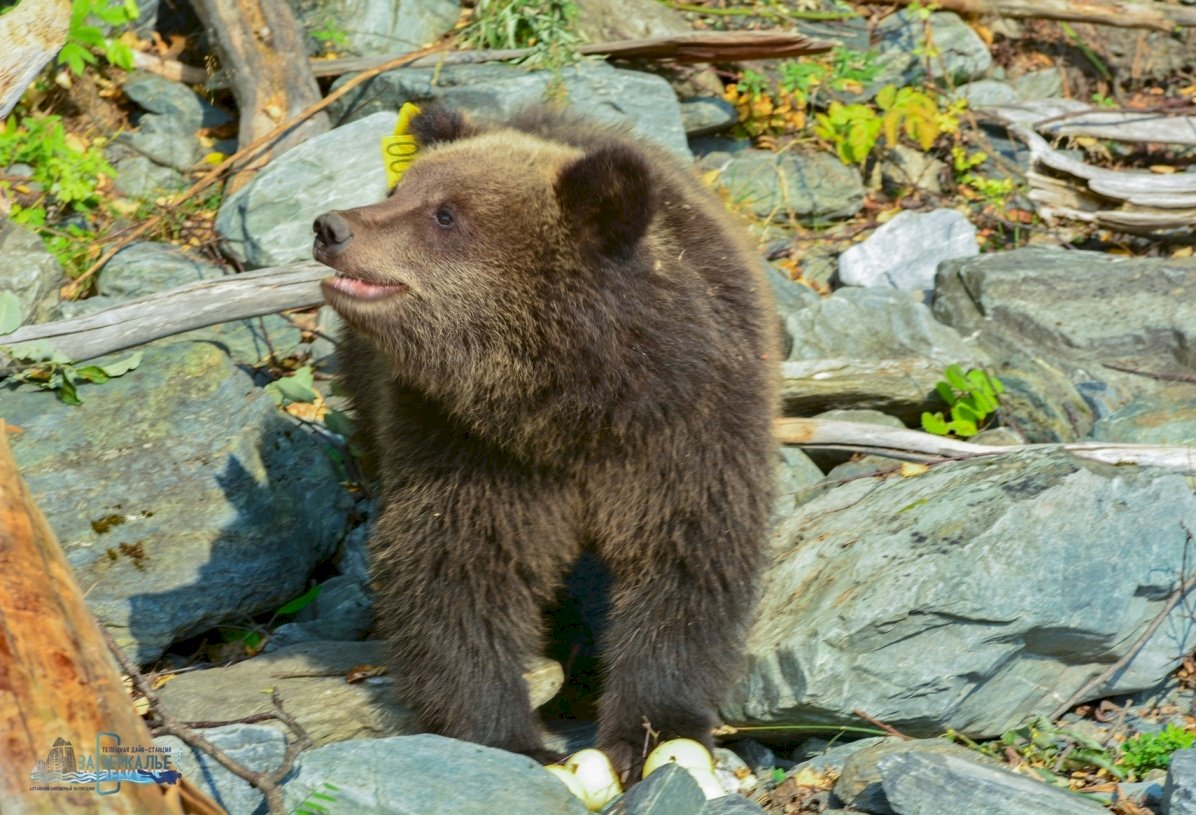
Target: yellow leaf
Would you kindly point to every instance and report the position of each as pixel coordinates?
(1163, 169)
(215, 157)
(909, 469)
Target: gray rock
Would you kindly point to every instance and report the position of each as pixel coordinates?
(310, 676)
(417, 775)
(166, 134)
(1179, 791)
(793, 184)
(375, 27)
(759, 757)
(960, 53)
(861, 780)
(257, 747)
(182, 497)
(905, 252)
(147, 268)
(964, 598)
(138, 177)
(341, 611)
(29, 271)
(268, 221)
(645, 102)
(1052, 320)
(1044, 84)
(704, 115)
(1165, 417)
(985, 92)
(821, 755)
(162, 97)
(668, 791)
(921, 783)
(874, 323)
(904, 167)
(731, 805)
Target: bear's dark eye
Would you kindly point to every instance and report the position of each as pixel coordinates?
(444, 218)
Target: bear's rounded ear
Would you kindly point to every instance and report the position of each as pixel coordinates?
(608, 198)
(435, 125)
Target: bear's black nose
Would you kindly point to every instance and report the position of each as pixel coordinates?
(332, 230)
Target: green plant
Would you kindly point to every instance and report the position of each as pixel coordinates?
(971, 397)
(85, 39)
(547, 27)
(1102, 101)
(331, 36)
(994, 191)
(1047, 749)
(851, 129)
(50, 370)
(1152, 751)
(65, 178)
(310, 805)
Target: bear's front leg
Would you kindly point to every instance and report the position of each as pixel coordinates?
(463, 564)
(680, 607)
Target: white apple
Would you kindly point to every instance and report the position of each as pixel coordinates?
(685, 753)
(596, 775)
(568, 779)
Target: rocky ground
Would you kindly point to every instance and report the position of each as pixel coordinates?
(982, 598)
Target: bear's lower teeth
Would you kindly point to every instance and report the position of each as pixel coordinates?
(362, 290)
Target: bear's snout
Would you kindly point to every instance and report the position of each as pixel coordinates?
(332, 231)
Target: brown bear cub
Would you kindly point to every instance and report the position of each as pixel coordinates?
(556, 340)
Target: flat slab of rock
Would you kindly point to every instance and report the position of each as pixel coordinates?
(182, 496)
(419, 775)
(972, 596)
(921, 783)
(905, 252)
(311, 678)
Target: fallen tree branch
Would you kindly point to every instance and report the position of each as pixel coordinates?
(698, 46)
(32, 34)
(171, 312)
(1119, 13)
(906, 444)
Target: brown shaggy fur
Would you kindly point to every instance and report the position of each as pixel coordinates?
(577, 352)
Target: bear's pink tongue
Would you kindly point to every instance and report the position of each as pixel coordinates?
(362, 290)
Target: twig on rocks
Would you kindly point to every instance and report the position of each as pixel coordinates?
(268, 783)
(1093, 684)
(1151, 374)
(888, 728)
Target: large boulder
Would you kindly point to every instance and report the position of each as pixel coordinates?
(182, 497)
(970, 597)
(1059, 325)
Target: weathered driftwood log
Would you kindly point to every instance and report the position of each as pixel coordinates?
(913, 445)
(261, 48)
(59, 686)
(899, 387)
(30, 35)
(1120, 13)
(698, 46)
(167, 313)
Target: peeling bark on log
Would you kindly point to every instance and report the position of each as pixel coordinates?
(167, 313)
(699, 46)
(913, 445)
(57, 678)
(262, 52)
(31, 35)
(1119, 13)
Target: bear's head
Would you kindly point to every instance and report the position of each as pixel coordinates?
(489, 246)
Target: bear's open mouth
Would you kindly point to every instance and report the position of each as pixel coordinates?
(359, 289)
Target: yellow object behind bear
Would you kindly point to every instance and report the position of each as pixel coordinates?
(398, 151)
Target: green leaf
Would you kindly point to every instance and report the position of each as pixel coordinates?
(301, 602)
(934, 423)
(10, 312)
(955, 377)
(946, 392)
(298, 387)
(122, 366)
(92, 373)
(338, 422)
(886, 96)
(963, 428)
(66, 392)
(37, 351)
